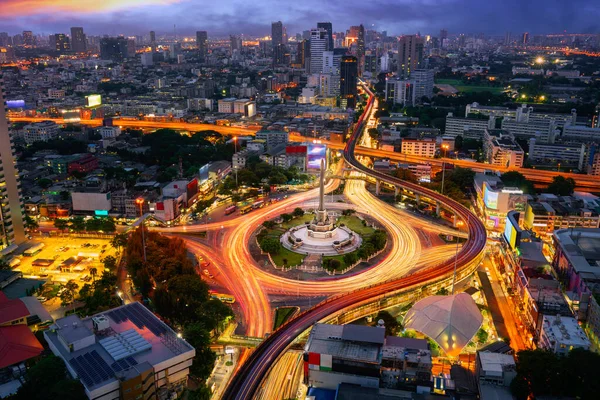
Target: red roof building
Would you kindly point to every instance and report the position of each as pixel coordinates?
(17, 344)
(12, 311)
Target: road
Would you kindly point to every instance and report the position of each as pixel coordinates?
(583, 182)
(250, 375)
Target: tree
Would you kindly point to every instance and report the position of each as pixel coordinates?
(391, 323)
(270, 245)
(517, 179)
(4, 265)
(374, 133)
(298, 212)
(406, 175)
(269, 224)
(378, 239)
(119, 241)
(334, 264)
(482, 336)
(78, 224)
(68, 295)
(110, 262)
(442, 292)
(463, 177)
(30, 223)
(286, 217)
(350, 259)
(562, 186)
(201, 393)
(93, 273)
(61, 223)
(44, 183)
(50, 374)
(198, 336)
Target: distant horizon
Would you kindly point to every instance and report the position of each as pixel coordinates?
(397, 17)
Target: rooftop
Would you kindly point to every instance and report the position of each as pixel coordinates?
(17, 344)
(126, 337)
(495, 363)
(581, 246)
(564, 330)
(352, 342)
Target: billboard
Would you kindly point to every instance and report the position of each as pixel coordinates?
(204, 173)
(15, 103)
(93, 100)
(512, 231)
(490, 197)
(192, 189)
(314, 155)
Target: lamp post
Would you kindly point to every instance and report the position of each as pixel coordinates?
(458, 224)
(445, 147)
(140, 202)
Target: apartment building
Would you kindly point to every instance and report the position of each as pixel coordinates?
(419, 147)
(501, 149)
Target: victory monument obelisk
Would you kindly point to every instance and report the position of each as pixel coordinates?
(322, 222)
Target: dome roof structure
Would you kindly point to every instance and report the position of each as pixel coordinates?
(451, 321)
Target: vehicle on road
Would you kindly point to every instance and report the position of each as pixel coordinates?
(245, 210)
(225, 298)
(230, 209)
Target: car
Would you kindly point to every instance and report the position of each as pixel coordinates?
(41, 299)
(205, 272)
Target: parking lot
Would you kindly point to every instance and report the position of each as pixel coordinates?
(65, 258)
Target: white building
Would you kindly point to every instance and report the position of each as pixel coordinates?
(542, 129)
(89, 202)
(226, 105)
(41, 131)
(245, 107)
(108, 132)
(471, 128)
(126, 352)
(562, 334)
(423, 79)
(329, 85)
(501, 149)
(318, 45)
(557, 153)
(273, 138)
(419, 147)
(308, 95)
(580, 133)
(147, 59)
(200, 104)
(400, 91)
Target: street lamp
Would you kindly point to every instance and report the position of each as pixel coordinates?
(445, 147)
(140, 202)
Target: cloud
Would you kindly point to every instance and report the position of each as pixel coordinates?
(254, 17)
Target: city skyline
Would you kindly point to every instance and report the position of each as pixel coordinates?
(134, 16)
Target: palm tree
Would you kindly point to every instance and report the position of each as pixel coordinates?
(93, 273)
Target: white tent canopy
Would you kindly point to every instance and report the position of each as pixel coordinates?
(451, 321)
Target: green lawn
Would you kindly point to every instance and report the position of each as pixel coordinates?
(297, 221)
(476, 89)
(340, 258)
(291, 257)
(354, 223)
(282, 314)
(448, 81)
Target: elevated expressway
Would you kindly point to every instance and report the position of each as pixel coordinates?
(583, 182)
(247, 381)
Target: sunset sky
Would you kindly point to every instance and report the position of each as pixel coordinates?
(254, 17)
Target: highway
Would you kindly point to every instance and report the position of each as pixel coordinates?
(250, 375)
(584, 182)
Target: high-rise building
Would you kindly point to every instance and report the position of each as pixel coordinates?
(78, 40)
(11, 207)
(153, 41)
(443, 37)
(61, 43)
(525, 38)
(329, 28)
(202, 43)
(348, 77)
(423, 79)
(410, 54)
(318, 44)
(507, 38)
(5, 40)
(28, 39)
(113, 48)
(360, 49)
(235, 43)
(303, 53)
(278, 43)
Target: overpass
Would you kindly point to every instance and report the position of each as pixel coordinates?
(583, 182)
(250, 375)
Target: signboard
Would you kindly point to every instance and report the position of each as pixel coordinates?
(192, 189)
(512, 231)
(490, 198)
(93, 100)
(101, 213)
(315, 153)
(15, 103)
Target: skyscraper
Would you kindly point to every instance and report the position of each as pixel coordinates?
(410, 54)
(360, 49)
(303, 53)
(28, 39)
(318, 44)
(329, 28)
(113, 48)
(348, 76)
(525, 37)
(277, 43)
(443, 37)
(78, 40)
(61, 43)
(153, 41)
(202, 43)
(235, 43)
(12, 229)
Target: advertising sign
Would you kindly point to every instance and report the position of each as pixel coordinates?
(316, 153)
(93, 100)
